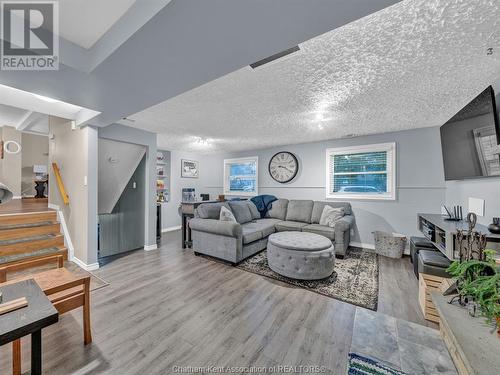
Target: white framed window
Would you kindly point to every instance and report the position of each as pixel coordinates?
(361, 172)
(241, 176)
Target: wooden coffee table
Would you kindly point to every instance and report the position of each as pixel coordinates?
(29, 320)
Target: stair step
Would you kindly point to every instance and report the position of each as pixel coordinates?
(29, 230)
(25, 225)
(30, 244)
(37, 254)
(27, 218)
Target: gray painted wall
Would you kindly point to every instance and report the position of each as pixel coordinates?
(140, 137)
(123, 229)
(420, 180)
(117, 163)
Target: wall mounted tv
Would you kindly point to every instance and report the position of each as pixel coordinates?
(470, 140)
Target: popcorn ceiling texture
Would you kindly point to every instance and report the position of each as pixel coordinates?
(411, 65)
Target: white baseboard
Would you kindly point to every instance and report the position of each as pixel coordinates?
(150, 247)
(67, 237)
(17, 197)
(171, 229)
(85, 266)
(53, 206)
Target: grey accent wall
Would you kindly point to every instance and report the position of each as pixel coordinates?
(459, 192)
(123, 229)
(140, 137)
(117, 163)
(420, 180)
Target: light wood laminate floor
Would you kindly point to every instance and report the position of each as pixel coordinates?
(166, 308)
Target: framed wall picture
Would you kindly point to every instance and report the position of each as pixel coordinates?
(189, 168)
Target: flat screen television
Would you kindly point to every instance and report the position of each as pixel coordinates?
(470, 140)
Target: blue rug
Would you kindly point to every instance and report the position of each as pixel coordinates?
(359, 365)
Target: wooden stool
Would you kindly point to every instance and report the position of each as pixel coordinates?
(66, 290)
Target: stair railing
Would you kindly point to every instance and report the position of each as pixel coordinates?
(60, 184)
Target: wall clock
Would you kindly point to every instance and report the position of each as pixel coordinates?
(283, 167)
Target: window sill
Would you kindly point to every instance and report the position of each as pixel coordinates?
(371, 197)
(241, 193)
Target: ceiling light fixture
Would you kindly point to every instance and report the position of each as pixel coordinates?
(202, 141)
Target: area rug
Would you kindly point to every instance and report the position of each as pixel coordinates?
(359, 365)
(355, 279)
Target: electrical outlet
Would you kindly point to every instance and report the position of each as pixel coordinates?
(134, 185)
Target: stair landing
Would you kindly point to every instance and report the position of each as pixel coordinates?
(25, 205)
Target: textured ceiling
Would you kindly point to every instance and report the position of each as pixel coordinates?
(412, 65)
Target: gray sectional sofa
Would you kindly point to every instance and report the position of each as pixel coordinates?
(235, 242)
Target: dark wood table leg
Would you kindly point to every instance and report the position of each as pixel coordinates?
(184, 222)
(36, 353)
(190, 241)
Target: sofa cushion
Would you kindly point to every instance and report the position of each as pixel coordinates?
(264, 226)
(267, 226)
(330, 215)
(278, 209)
(320, 229)
(319, 206)
(226, 215)
(283, 226)
(299, 210)
(210, 210)
(253, 210)
(251, 232)
(241, 211)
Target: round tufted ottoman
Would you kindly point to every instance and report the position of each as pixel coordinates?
(301, 255)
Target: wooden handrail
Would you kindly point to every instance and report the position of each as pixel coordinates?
(60, 184)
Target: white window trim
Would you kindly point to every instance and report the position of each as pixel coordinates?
(226, 178)
(391, 171)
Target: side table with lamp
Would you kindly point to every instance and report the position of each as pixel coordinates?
(41, 180)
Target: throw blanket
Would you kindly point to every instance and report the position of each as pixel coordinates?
(263, 203)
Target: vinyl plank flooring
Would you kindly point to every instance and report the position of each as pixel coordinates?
(167, 308)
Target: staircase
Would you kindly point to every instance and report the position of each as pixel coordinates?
(29, 236)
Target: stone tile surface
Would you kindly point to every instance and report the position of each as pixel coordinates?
(421, 360)
(419, 334)
(405, 346)
(375, 336)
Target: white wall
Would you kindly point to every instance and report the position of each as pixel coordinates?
(420, 180)
(35, 152)
(11, 164)
(70, 150)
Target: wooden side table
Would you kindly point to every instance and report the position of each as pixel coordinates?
(30, 320)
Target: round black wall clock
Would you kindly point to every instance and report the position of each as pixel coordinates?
(283, 167)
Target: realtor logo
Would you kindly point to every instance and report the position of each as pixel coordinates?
(30, 35)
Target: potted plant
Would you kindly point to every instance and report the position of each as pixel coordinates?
(480, 281)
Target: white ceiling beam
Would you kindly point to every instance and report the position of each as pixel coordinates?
(25, 121)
